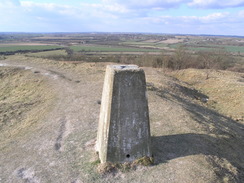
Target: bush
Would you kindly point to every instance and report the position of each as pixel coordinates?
(182, 59)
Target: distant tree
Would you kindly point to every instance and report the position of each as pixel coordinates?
(163, 61)
(216, 59)
(180, 58)
(69, 51)
(223, 60)
(158, 63)
(205, 59)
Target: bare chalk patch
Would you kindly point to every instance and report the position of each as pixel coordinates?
(27, 175)
(50, 75)
(3, 65)
(90, 144)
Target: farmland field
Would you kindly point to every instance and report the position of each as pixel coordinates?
(146, 44)
(14, 48)
(108, 42)
(48, 53)
(154, 50)
(96, 48)
(228, 48)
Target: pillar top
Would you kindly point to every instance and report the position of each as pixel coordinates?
(124, 67)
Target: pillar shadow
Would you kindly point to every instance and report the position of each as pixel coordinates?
(166, 148)
(170, 147)
(226, 139)
(201, 114)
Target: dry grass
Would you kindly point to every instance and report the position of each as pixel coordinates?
(23, 44)
(48, 53)
(172, 41)
(106, 168)
(23, 102)
(224, 88)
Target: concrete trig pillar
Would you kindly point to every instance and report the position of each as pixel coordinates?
(124, 130)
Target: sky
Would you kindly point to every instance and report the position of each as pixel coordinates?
(215, 17)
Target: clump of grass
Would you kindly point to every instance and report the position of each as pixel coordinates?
(2, 57)
(108, 167)
(145, 161)
(95, 163)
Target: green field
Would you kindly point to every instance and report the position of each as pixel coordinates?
(90, 48)
(235, 49)
(48, 53)
(141, 43)
(210, 47)
(14, 48)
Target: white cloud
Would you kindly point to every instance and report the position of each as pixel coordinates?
(193, 20)
(84, 10)
(215, 23)
(216, 3)
(115, 15)
(9, 9)
(30, 16)
(214, 17)
(115, 7)
(165, 4)
(241, 14)
(9, 3)
(148, 4)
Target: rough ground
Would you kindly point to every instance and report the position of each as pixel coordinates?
(49, 114)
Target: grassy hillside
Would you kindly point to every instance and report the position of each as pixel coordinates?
(23, 102)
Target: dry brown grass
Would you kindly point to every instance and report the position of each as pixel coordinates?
(172, 41)
(224, 88)
(23, 102)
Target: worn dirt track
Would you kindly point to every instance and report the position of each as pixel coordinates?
(191, 142)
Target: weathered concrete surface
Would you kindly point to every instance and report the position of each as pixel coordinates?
(124, 131)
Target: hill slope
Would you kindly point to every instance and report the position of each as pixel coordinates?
(192, 141)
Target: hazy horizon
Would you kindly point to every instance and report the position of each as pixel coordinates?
(193, 17)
